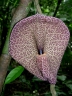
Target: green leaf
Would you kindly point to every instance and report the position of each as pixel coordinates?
(69, 86)
(15, 73)
(62, 77)
(63, 19)
(61, 93)
(46, 10)
(68, 82)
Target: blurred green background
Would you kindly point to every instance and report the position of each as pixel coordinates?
(25, 84)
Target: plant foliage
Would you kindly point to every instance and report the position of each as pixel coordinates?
(34, 86)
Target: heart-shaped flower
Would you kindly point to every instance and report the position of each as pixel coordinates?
(38, 43)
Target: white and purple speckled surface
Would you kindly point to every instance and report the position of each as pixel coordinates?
(37, 32)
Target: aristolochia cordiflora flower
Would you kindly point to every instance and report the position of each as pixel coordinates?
(38, 43)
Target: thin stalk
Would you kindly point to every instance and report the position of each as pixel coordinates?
(38, 6)
(58, 5)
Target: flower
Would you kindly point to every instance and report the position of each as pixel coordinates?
(39, 34)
